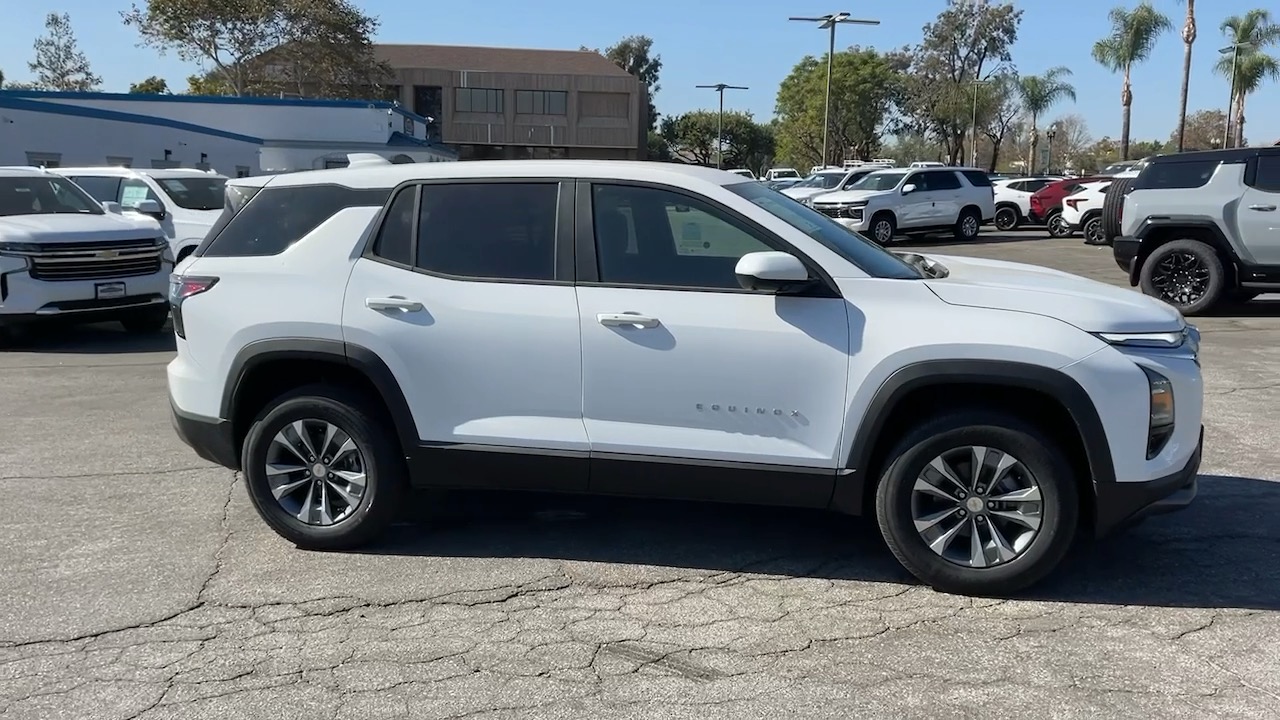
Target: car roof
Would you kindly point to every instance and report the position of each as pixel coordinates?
(388, 176)
(117, 171)
(24, 171)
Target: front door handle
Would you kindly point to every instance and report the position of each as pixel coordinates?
(392, 303)
(1263, 208)
(626, 319)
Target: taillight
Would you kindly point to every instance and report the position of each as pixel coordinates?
(182, 287)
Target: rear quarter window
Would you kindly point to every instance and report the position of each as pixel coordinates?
(1176, 175)
(976, 178)
(276, 218)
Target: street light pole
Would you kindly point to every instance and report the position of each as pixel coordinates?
(720, 88)
(973, 151)
(829, 22)
(1234, 49)
(1050, 134)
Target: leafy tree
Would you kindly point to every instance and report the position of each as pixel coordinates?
(1000, 105)
(309, 47)
(1252, 66)
(1071, 140)
(211, 83)
(1133, 36)
(968, 41)
(1202, 131)
(1188, 39)
(1039, 93)
(1, 78)
(864, 87)
(634, 54)
(746, 143)
(59, 64)
(151, 86)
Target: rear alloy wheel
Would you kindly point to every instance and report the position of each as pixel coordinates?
(1006, 219)
(968, 225)
(1093, 234)
(1186, 274)
(322, 469)
(1057, 225)
(979, 503)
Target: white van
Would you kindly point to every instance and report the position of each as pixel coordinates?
(185, 201)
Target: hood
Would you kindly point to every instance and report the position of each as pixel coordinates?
(76, 227)
(800, 193)
(845, 196)
(1087, 304)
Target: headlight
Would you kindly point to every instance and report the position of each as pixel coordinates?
(18, 248)
(1187, 340)
(1161, 421)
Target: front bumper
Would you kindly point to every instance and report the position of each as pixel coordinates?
(211, 438)
(1123, 503)
(1124, 249)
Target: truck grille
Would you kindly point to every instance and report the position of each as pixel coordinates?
(840, 211)
(96, 260)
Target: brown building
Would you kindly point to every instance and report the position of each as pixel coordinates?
(492, 103)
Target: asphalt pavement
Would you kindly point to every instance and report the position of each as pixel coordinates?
(139, 583)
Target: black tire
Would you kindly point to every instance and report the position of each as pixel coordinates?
(1196, 295)
(1056, 226)
(1007, 218)
(151, 320)
(1092, 231)
(1040, 456)
(883, 228)
(1113, 207)
(968, 225)
(386, 476)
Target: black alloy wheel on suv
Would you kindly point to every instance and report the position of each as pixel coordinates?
(1056, 225)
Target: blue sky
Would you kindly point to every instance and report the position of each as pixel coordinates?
(740, 42)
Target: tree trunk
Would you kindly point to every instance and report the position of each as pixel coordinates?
(1126, 101)
(1035, 141)
(1188, 39)
(1239, 128)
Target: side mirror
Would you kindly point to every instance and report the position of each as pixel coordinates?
(150, 207)
(908, 188)
(111, 207)
(771, 272)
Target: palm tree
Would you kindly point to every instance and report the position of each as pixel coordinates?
(1252, 65)
(1133, 36)
(1039, 93)
(1188, 39)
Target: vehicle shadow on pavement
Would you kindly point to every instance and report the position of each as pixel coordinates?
(1267, 306)
(944, 241)
(98, 339)
(1222, 552)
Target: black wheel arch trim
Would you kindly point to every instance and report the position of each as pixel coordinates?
(1199, 222)
(851, 488)
(357, 357)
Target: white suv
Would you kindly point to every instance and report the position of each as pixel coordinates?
(652, 329)
(185, 201)
(64, 256)
(1013, 200)
(887, 203)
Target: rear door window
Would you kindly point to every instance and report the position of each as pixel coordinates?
(102, 189)
(489, 230)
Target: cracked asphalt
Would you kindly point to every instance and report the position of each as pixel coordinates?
(139, 583)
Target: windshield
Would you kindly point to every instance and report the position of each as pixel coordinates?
(879, 181)
(196, 193)
(44, 196)
(873, 259)
(820, 180)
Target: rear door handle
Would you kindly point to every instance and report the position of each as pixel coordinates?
(626, 319)
(393, 303)
(1263, 208)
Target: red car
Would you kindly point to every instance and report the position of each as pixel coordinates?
(1046, 203)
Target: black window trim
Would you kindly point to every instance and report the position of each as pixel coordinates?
(588, 273)
(564, 245)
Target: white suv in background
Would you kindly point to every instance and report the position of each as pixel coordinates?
(1082, 211)
(64, 256)
(825, 181)
(653, 329)
(886, 203)
(1013, 200)
(185, 201)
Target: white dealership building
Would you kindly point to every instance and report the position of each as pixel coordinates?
(235, 136)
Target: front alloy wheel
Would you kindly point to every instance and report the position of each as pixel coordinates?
(1006, 219)
(976, 506)
(882, 230)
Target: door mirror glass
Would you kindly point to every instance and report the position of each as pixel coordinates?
(908, 188)
(771, 272)
(149, 207)
(111, 206)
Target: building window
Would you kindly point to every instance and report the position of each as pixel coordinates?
(44, 159)
(542, 102)
(242, 171)
(478, 100)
